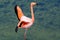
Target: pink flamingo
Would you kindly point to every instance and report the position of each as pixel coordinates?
(24, 22)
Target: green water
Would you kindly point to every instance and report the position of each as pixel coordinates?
(45, 27)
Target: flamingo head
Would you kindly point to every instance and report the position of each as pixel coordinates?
(39, 3)
(33, 3)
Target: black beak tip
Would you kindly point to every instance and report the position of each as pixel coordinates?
(40, 3)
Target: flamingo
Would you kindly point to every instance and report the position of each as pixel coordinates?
(24, 21)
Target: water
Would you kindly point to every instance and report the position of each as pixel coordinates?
(45, 27)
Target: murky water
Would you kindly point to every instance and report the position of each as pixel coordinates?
(45, 27)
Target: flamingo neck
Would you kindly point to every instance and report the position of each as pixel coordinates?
(32, 13)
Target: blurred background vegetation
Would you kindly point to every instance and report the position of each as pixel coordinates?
(45, 27)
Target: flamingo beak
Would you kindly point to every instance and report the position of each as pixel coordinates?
(16, 29)
(40, 3)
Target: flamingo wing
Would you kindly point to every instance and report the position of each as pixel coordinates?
(18, 12)
(23, 23)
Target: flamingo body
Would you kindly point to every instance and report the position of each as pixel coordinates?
(27, 22)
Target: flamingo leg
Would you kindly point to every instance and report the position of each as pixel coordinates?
(25, 38)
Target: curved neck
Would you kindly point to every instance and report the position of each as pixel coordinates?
(32, 13)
